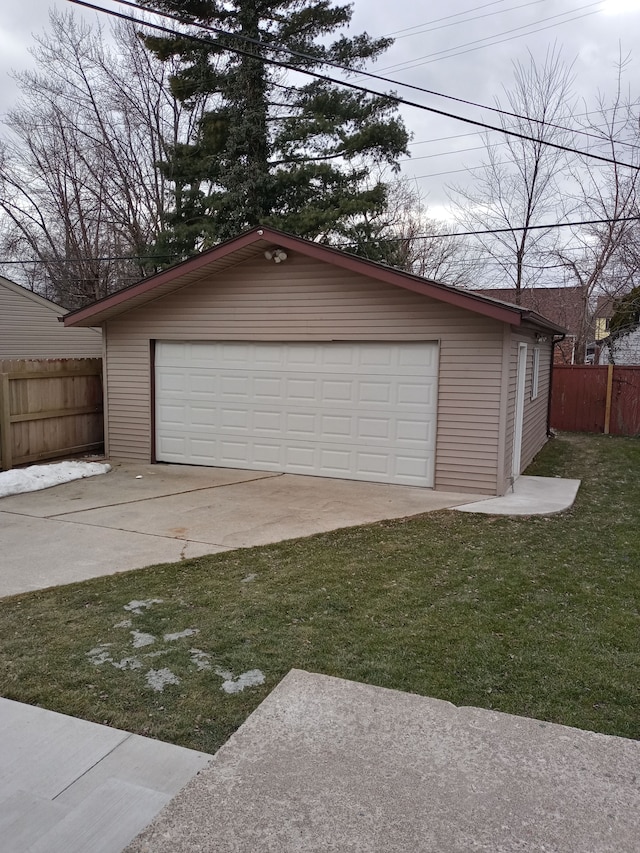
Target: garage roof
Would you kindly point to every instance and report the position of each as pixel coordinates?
(255, 242)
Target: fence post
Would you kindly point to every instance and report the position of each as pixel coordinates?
(5, 424)
(607, 408)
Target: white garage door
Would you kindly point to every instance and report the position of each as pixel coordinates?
(357, 411)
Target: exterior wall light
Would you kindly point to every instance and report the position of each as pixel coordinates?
(276, 255)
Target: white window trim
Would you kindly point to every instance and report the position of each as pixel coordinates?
(535, 373)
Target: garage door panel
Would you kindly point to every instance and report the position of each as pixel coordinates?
(171, 446)
(336, 427)
(303, 356)
(201, 383)
(235, 387)
(200, 449)
(374, 356)
(336, 391)
(411, 469)
(378, 393)
(373, 429)
(301, 425)
(359, 411)
(338, 356)
(424, 359)
(268, 422)
(415, 393)
(235, 419)
(337, 462)
(172, 415)
(172, 380)
(266, 389)
(266, 455)
(420, 431)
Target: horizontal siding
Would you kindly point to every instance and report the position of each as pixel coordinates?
(534, 426)
(29, 329)
(305, 300)
(534, 429)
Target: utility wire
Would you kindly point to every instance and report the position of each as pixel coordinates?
(518, 228)
(431, 29)
(438, 236)
(341, 67)
(405, 66)
(87, 260)
(347, 84)
(448, 17)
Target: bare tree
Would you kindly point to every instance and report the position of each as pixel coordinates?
(83, 190)
(405, 236)
(603, 258)
(517, 186)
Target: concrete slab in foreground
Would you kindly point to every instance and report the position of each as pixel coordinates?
(70, 786)
(330, 765)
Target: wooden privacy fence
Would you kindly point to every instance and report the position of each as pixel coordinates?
(596, 399)
(49, 408)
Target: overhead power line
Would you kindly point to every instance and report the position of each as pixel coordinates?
(88, 260)
(438, 55)
(278, 48)
(438, 236)
(448, 17)
(345, 83)
(431, 29)
(516, 228)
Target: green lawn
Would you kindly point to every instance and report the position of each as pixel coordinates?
(533, 616)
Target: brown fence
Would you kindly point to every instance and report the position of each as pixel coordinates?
(596, 399)
(49, 408)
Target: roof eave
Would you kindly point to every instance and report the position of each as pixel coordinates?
(103, 309)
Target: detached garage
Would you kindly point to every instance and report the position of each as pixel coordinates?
(274, 353)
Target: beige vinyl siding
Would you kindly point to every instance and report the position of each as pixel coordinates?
(29, 328)
(306, 300)
(534, 426)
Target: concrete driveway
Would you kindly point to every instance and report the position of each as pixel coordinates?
(138, 515)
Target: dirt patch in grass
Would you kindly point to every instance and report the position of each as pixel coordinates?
(533, 616)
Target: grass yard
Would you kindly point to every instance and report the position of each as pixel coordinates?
(533, 616)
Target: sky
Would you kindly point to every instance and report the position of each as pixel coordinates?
(465, 48)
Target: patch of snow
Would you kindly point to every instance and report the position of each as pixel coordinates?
(37, 477)
(128, 663)
(249, 578)
(157, 679)
(100, 655)
(188, 632)
(126, 623)
(247, 679)
(141, 639)
(137, 606)
(157, 654)
(200, 659)
(223, 673)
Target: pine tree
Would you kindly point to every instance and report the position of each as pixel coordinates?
(275, 148)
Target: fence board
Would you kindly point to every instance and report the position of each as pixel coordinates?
(579, 399)
(625, 401)
(49, 408)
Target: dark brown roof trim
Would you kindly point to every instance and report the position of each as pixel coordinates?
(149, 284)
(500, 311)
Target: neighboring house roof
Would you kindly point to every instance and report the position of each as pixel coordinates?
(605, 306)
(263, 238)
(30, 327)
(562, 305)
